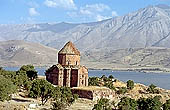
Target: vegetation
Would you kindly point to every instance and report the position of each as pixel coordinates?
(7, 88)
(152, 89)
(102, 81)
(149, 103)
(30, 71)
(94, 81)
(102, 104)
(122, 90)
(127, 104)
(43, 89)
(166, 105)
(63, 98)
(130, 84)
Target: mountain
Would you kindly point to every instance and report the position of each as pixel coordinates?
(148, 59)
(136, 40)
(18, 53)
(147, 27)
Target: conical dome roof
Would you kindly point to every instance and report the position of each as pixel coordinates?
(69, 48)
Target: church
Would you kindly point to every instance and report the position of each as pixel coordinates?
(68, 72)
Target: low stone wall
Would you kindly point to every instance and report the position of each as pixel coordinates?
(93, 92)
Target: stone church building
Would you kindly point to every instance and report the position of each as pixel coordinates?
(68, 72)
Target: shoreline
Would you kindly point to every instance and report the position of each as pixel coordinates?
(142, 70)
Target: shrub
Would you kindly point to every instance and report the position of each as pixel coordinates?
(63, 98)
(130, 84)
(152, 89)
(102, 104)
(127, 104)
(93, 81)
(109, 85)
(149, 103)
(166, 105)
(122, 90)
(7, 88)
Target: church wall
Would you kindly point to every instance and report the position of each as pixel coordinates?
(83, 76)
(62, 59)
(72, 60)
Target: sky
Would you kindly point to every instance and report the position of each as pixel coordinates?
(72, 11)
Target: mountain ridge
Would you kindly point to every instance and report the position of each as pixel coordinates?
(146, 27)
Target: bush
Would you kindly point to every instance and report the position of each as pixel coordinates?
(166, 105)
(7, 88)
(130, 84)
(109, 85)
(111, 77)
(122, 90)
(102, 104)
(152, 89)
(63, 98)
(93, 81)
(127, 104)
(149, 103)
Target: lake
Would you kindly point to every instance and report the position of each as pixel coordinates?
(159, 79)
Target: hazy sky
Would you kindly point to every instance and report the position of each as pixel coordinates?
(38, 11)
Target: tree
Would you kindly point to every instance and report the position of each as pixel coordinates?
(7, 88)
(149, 103)
(111, 77)
(130, 84)
(102, 104)
(20, 78)
(63, 98)
(93, 81)
(127, 104)
(166, 105)
(122, 90)
(30, 71)
(152, 89)
(109, 85)
(43, 89)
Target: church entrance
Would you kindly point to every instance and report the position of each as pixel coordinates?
(74, 78)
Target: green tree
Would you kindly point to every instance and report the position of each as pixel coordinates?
(20, 78)
(109, 85)
(30, 71)
(149, 103)
(111, 77)
(127, 104)
(63, 98)
(43, 89)
(130, 84)
(152, 89)
(166, 105)
(122, 90)
(7, 88)
(93, 81)
(102, 104)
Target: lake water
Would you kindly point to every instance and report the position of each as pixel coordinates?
(159, 79)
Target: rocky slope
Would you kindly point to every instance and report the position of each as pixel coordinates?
(146, 27)
(148, 59)
(17, 53)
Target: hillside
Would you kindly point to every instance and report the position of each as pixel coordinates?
(146, 59)
(17, 53)
(147, 27)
